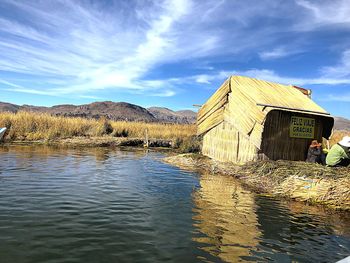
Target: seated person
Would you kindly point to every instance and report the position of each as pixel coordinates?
(315, 153)
(339, 154)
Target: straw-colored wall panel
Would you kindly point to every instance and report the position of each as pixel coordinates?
(207, 116)
(210, 122)
(215, 108)
(225, 143)
(256, 135)
(214, 99)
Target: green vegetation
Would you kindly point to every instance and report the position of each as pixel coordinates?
(191, 144)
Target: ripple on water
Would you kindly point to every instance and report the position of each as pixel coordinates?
(234, 225)
(104, 205)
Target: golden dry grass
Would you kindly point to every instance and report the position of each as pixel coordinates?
(301, 181)
(38, 126)
(338, 135)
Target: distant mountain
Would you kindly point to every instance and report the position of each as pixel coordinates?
(341, 123)
(4, 106)
(126, 111)
(170, 116)
(110, 110)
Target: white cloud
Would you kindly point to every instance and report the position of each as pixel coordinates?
(164, 93)
(33, 91)
(341, 70)
(208, 78)
(7, 83)
(79, 48)
(338, 98)
(205, 79)
(81, 44)
(268, 75)
(278, 52)
(327, 12)
(91, 97)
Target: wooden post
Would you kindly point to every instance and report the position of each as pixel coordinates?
(146, 138)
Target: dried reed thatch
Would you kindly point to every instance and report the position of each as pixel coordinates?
(248, 119)
(301, 181)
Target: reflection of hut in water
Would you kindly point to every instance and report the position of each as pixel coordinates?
(248, 119)
(225, 215)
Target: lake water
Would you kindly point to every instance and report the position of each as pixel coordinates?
(110, 205)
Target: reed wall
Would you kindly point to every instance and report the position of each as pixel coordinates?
(225, 143)
(212, 112)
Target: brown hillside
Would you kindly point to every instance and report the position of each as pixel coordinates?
(4, 106)
(169, 116)
(341, 124)
(108, 109)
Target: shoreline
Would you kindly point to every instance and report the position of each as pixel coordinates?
(106, 141)
(300, 181)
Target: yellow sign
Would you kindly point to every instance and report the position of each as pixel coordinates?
(301, 127)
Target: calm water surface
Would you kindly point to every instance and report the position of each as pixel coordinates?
(108, 205)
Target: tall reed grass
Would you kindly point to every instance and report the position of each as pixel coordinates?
(37, 126)
(338, 135)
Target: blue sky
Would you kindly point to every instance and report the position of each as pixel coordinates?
(171, 53)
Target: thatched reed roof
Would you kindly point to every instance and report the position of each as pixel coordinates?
(245, 102)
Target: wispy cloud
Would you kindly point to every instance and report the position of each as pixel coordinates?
(342, 69)
(269, 75)
(323, 13)
(65, 48)
(278, 52)
(337, 98)
(89, 47)
(91, 97)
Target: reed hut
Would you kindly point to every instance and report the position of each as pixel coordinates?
(248, 119)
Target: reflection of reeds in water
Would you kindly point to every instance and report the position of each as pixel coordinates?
(339, 222)
(225, 214)
(100, 154)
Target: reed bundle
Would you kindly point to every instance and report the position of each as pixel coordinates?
(301, 181)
